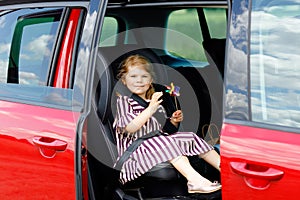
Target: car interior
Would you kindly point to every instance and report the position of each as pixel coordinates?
(141, 28)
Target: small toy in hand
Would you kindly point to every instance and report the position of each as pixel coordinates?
(173, 91)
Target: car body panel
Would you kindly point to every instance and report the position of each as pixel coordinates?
(38, 129)
(245, 144)
(259, 144)
(30, 171)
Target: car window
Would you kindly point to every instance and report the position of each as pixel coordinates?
(110, 29)
(27, 43)
(216, 21)
(27, 38)
(186, 21)
(275, 54)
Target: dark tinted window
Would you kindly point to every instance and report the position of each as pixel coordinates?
(275, 55)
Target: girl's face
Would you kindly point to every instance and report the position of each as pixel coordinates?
(138, 80)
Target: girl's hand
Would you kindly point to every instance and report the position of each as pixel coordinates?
(155, 101)
(142, 118)
(177, 117)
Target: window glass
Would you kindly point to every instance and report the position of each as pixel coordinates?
(216, 22)
(275, 70)
(186, 21)
(109, 32)
(26, 44)
(27, 38)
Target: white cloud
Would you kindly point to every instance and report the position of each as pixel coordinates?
(28, 78)
(235, 99)
(3, 71)
(5, 48)
(87, 31)
(2, 22)
(37, 47)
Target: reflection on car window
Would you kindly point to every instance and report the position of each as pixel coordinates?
(26, 44)
(275, 55)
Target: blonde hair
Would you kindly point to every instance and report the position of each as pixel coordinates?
(137, 60)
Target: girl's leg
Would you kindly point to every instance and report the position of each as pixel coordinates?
(212, 157)
(182, 164)
(196, 182)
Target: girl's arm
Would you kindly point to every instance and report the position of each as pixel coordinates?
(143, 117)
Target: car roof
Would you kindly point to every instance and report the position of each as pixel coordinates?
(158, 1)
(122, 2)
(11, 2)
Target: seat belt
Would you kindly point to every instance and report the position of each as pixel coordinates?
(133, 146)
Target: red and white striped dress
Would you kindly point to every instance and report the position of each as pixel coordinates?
(153, 150)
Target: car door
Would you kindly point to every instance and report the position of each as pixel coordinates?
(37, 115)
(260, 140)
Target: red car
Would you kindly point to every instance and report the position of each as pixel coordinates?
(39, 120)
(235, 62)
(260, 139)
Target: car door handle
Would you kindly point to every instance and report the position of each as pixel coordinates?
(256, 176)
(50, 143)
